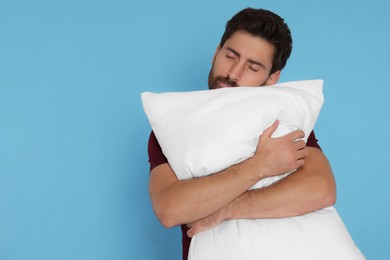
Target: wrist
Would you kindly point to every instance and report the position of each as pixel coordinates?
(227, 211)
(259, 167)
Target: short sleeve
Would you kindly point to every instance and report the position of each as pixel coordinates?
(312, 141)
(156, 156)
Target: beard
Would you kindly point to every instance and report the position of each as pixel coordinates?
(215, 82)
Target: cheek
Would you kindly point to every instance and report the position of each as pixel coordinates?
(251, 79)
(221, 68)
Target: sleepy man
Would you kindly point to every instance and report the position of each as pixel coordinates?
(253, 51)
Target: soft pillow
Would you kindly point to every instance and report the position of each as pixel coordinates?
(203, 132)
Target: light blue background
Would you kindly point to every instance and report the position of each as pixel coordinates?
(73, 135)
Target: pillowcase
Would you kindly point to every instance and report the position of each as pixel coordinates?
(203, 132)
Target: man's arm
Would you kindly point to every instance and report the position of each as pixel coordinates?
(310, 188)
(178, 202)
(182, 201)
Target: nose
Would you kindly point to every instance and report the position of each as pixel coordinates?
(235, 71)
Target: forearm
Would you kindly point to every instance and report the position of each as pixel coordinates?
(299, 193)
(179, 202)
(309, 189)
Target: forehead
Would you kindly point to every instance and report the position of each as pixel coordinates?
(251, 47)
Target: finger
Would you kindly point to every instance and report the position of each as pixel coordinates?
(301, 163)
(297, 134)
(271, 129)
(190, 233)
(302, 154)
(299, 144)
(193, 231)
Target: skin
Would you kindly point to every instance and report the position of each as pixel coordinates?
(203, 203)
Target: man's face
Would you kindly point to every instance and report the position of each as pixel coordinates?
(244, 60)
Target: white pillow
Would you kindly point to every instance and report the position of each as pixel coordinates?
(203, 132)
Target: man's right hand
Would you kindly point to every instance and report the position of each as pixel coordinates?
(275, 156)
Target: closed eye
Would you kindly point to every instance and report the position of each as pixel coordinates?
(229, 56)
(254, 68)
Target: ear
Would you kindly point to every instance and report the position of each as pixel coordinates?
(273, 78)
(215, 54)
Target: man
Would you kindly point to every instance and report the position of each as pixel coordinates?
(252, 52)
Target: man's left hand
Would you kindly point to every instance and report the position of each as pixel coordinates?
(207, 223)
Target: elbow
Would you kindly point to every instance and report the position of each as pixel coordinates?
(329, 194)
(330, 199)
(166, 220)
(166, 215)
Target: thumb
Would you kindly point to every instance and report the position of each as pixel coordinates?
(190, 233)
(271, 129)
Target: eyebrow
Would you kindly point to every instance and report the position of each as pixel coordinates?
(249, 60)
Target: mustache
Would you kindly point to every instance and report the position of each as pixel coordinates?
(226, 80)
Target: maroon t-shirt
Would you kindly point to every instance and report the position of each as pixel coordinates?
(156, 157)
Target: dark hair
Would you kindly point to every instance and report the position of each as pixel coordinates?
(267, 25)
